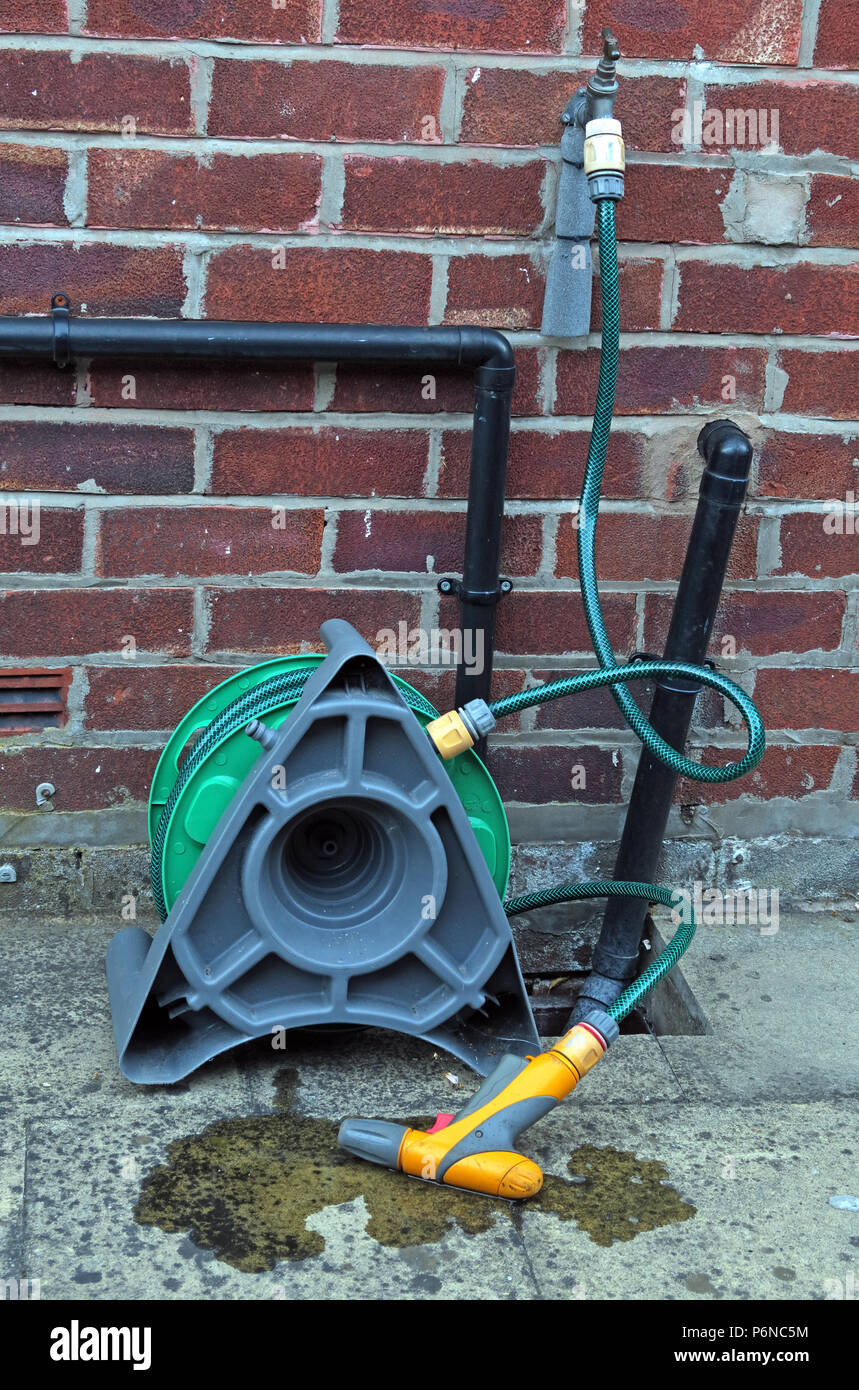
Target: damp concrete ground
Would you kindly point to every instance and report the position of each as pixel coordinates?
(685, 1167)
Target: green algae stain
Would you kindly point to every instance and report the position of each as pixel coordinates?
(244, 1188)
(621, 1195)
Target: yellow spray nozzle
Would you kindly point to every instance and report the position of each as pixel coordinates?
(475, 1149)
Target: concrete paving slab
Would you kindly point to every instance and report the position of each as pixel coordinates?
(12, 1170)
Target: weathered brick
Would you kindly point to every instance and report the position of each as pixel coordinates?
(633, 546)
(547, 465)
(151, 188)
(529, 26)
(816, 466)
(284, 620)
(107, 279)
(35, 383)
(321, 462)
(32, 184)
(801, 298)
(430, 388)
(200, 541)
(512, 106)
(85, 778)
(640, 287)
(292, 21)
(544, 622)
(96, 457)
(188, 385)
(37, 623)
(820, 383)
(673, 202)
(763, 622)
(326, 100)
(837, 44)
(60, 537)
(821, 544)
(832, 211)
(47, 90)
(130, 696)
(663, 380)
(319, 286)
(807, 698)
(427, 542)
(736, 31)
(495, 291)
(791, 772)
(420, 195)
(585, 775)
(34, 17)
(811, 116)
(592, 709)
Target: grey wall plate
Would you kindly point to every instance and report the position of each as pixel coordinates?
(343, 884)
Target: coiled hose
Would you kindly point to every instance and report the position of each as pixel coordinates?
(271, 693)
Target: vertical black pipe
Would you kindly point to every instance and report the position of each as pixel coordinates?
(480, 589)
(727, 454)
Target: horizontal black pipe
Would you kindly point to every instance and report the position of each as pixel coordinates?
(727, 454)
(35, 336)
(60, 337)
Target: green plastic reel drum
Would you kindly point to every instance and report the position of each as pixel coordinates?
(212, 785)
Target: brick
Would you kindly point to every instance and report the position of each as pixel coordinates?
(540, 775)
(46, 90)
(293, 21)
(281, 620)
(817, 466)
(821, 545)
(763, 622)
(495, 291)
(321, 462)
(35, 383)
(811, 115)
(547, 465)
(151, 188)
(121, 280)
(188, 385)
(60, 538)
(129, 696)
(409, 389)
(419, 195)
(96, 457)
(528, 26)
(832, 211)
(737, 31)
(34, 17)
(37, 623)
(593, 709)
(85, 778)
(427, 542)
(548, 621)
(509, 106)
(640, 287)
(258, 99)
(837, 44)
(32, 184)
(820, 383)
(673, 202)
(199, 541)
(633, 546)
(664, 380)
(807, 699)
(800, 298)
(319, 286)
(788, 772)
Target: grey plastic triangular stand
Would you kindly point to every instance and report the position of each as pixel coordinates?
(343, 884)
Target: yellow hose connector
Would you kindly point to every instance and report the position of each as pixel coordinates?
(605, 152)
(450, 735)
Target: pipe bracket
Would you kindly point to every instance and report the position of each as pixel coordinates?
(61, 318)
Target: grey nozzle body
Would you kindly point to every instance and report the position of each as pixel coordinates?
(379, 1141)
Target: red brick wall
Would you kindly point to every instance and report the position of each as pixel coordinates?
(380, 161)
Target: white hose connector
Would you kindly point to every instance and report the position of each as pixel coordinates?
(605, 158)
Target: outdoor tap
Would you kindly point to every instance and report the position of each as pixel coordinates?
(596, 100)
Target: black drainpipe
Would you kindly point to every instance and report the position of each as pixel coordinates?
(59, 337)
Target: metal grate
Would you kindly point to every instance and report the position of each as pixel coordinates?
(33, 700)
